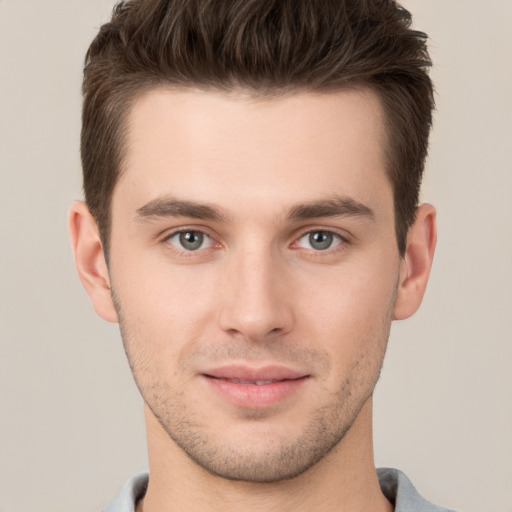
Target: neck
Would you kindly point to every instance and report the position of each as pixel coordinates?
(343, 480)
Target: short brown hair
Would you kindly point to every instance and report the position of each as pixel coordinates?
(269, 47)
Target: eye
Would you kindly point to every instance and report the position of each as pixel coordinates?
(319, 240)
(190, 240)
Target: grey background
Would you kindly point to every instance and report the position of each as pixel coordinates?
(71, 428)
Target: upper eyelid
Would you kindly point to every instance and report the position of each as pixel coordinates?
(332, 232)
(168, 233)
(166, 236)
(341, 233)
(297, 234)
(182, 252)
(342, 240)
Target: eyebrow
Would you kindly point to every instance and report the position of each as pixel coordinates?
(332, 207)
(172, 207)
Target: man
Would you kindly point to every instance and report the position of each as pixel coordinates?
(251, 173)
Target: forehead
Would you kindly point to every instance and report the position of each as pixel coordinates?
(219, 147)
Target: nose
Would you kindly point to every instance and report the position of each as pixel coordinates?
(256, 297)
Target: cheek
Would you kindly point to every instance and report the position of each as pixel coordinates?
(154, 285)
(167, 308)
(351, 324)
(349, 307)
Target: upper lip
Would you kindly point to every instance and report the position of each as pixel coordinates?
(246, 373)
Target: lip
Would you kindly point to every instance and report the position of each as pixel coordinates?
(254, 388)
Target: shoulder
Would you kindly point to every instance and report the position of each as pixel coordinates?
(132, 491)
(400, 491)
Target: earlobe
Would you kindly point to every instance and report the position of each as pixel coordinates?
(90, 260)
(416, 262)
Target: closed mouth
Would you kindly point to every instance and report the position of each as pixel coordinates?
(241, 374)
(255, 388)
(251, 382)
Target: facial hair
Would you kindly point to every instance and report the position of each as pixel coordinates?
(280, 457)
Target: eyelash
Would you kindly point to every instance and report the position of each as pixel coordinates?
(343, 241)
(338, 241)
(184, 252)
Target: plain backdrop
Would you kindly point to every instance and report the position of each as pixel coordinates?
(71, 428)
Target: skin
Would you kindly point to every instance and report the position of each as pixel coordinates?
(257, 179)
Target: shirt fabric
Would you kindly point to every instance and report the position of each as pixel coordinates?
(397, 488)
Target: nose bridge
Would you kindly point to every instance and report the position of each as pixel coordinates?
(255, 299)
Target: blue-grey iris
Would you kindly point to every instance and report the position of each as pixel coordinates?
(191, 240)
(320, 240)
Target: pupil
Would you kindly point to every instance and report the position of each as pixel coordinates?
(320, 240)
(191, 240)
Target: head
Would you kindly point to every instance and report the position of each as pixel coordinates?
(269, 49)
(252, 170)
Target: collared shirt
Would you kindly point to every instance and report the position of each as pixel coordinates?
(397, 488)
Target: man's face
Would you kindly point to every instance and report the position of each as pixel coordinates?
(254, 266)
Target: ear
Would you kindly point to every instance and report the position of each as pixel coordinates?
(416, 263)
(90, 260)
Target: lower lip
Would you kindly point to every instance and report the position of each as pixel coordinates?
(255, 396)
